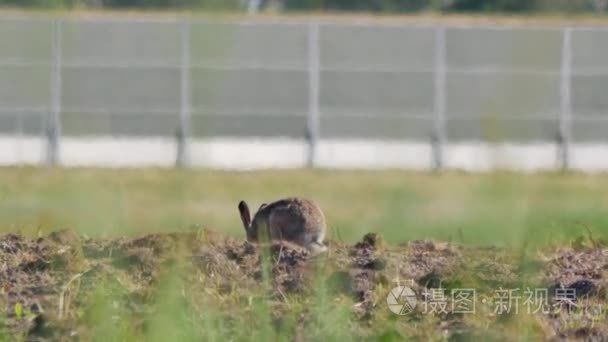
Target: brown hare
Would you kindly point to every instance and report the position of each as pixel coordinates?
(296, 220)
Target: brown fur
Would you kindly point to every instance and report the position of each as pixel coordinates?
(296, 220)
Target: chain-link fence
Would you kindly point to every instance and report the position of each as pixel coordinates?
(196, 79)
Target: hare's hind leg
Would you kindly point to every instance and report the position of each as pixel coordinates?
(316, 248)
(317, 245)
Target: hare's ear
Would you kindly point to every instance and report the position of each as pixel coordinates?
(262, 206)
(245, 215)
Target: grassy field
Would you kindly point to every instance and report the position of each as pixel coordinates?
(195, 285)
(489, 209)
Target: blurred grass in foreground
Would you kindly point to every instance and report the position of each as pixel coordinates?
(496, 208)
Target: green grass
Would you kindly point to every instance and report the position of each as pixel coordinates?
(490, 209)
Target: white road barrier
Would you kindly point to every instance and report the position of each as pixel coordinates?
(258, 153)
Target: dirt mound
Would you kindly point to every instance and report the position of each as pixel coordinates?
(240, 262)
(577, 279)
(363, 273)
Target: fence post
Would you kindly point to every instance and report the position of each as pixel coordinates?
(313, 121)
(565, 116)
(53, 126)
(185, 111)
(438, 138)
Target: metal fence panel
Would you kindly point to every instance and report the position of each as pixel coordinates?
(502, 95)
(590, 131)
(503, 84)
(251, 91)
(113, 89)
(120, 78)
(590, 49)
(589, 95)
(504, 48)
(376, 93)
(373, 87)
(264, 45)
(590, 73)
(589, 80)
(248, 80)
(25, 40)
(376, 47)
(24, 86)
(122, 95)
(114, 42)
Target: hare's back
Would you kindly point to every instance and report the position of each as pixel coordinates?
(294, 217)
